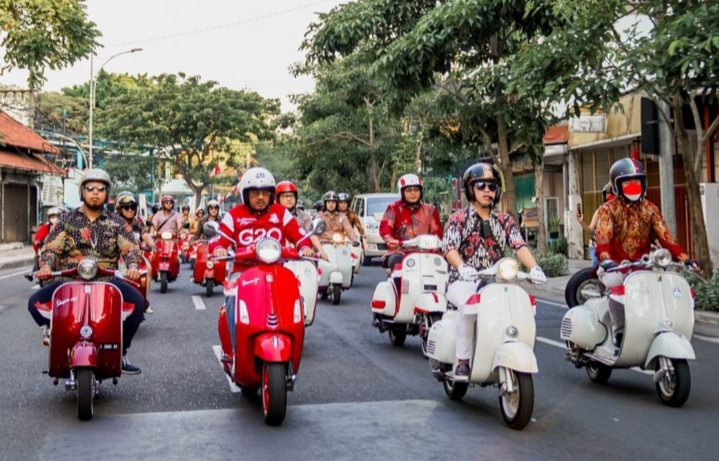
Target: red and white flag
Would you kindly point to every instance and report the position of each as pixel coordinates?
(215, 171)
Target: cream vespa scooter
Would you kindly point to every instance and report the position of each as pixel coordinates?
(659, 321)
(421, 300)
(336, 274)
(308, 276)
(504, 336)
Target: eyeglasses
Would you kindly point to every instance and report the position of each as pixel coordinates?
(95, 188)
(213, 207)
(480, 186)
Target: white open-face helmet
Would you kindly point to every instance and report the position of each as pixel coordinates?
(410, 180)
(94, 174)
(257, 178)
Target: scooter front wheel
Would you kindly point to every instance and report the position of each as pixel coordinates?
(163, 282)
(673, 388)
(336, 293)
(85, 393)
(518, 406)
(454, 390)
(274, 392)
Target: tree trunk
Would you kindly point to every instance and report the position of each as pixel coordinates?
(374, 171)
(692, 172)
(539, 191)
(506, 168)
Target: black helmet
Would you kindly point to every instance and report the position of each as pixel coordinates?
(125, 199)
(300, 204)
(318, 205)
(481, 172)
(344, 197)
(156, 207)
(185, 207)
(330, 196)
(624, 170)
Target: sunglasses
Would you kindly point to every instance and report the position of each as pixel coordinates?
(128, 207)
(480, 186)
(95, 188)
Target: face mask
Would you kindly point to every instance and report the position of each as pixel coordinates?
(632, 192)
(53, 220)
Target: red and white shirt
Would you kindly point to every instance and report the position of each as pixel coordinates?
(241, 228)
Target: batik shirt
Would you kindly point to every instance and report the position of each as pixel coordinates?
(304, 219)
(401, 222)
(626, 231)
(104, 241)
(464, 234)
(336, 222)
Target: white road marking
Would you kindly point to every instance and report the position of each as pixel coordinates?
(14, 274)
(218, 353)
(551, 303)
(707, 338)
(35, 287)
(199, 304)
(551, 342)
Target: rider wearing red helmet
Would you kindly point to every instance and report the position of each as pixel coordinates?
(287, 197)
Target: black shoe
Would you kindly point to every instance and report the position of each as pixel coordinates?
(618, 339)
(461, 373)
(128, 368)
(29, 277)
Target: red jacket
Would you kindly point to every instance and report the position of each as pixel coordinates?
(401, 222)
(240, 228)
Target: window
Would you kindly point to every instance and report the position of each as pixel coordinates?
(379, 204)
(602, 166)
(359, 207)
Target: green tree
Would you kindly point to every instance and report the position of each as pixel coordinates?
(490, 55)
(44, 34)
(197, 124)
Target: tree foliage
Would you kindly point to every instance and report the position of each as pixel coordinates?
(197, 124)
(44, 34)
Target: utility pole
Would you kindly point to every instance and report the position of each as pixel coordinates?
(666, 167)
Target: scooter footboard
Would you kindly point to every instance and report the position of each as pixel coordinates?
(515, 356)
(273, 347)
(669, 345)
(429, 303)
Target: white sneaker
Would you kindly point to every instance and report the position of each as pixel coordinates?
(45, 335)
(149, 310)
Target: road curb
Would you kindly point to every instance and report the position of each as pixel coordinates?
(19, 262)
(710, 318)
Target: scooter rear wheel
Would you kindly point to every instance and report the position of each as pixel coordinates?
(517, 408)
(210, 286)
(598, 372)
(674, 390)
(274, 392)
(85, 393)
(454, 390)
(397, 338)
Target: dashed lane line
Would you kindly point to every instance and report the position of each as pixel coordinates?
(199, 304)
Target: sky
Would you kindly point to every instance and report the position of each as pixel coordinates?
(254, 49)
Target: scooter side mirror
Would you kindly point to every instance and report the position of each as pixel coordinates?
(185, 225)
(210, 229)
(318, 226)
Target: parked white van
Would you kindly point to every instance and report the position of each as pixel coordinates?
(369, 209)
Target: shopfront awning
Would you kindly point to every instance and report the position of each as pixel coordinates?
(28, 162)
(607, 143)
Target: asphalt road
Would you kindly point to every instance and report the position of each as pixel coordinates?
(356, 396)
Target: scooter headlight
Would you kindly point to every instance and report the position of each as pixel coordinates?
(662, 257)
(338, 238)
(268, 250)
(166, 236)
(87, 270)
(508, 269)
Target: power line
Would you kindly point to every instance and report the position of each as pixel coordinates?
(222, 26)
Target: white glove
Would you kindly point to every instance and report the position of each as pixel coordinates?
(536, 275)
(467, 272)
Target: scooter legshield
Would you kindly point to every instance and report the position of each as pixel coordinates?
(103, 303)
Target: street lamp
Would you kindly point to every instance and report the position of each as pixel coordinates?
(93, 84)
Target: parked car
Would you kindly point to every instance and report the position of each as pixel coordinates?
(369, 209)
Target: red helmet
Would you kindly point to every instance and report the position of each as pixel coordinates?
(168, 198)
(286, 186)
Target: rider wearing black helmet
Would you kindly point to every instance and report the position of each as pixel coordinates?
(334, 220)
(475, 239)
(344, 206)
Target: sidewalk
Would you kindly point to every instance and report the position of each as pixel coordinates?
(556, 285)
(14, 255)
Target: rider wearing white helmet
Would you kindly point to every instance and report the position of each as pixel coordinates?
(244, 225)
(213, 214)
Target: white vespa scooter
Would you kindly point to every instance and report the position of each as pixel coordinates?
(357, 257)
(659, 321)
(335, 274)
(504, 337)
(308, 276)
(421, 301)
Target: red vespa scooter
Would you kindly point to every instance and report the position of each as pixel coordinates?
(86, 331)
(269, 326)
(165, 259)
(206, 272)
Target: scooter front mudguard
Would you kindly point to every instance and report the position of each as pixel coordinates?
(164, 266)
(273, 347)
(83, 355)
(671, 346)
(515, 356)
(336, 277)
